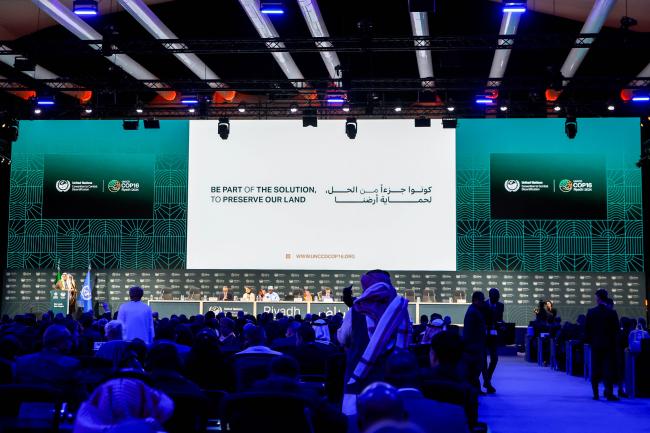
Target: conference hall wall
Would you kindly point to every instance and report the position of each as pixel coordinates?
(278, 204)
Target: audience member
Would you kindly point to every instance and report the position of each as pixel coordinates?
(377, 403)
(601, 330)
(494, 320)
(474, 337)
(432, 416)
(113, 332)
(136, 317)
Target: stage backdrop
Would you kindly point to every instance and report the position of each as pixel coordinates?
(88, 191)
(529, 199)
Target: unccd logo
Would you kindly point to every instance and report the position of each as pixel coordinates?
(512, 185)
(566, 185)
(63, 185)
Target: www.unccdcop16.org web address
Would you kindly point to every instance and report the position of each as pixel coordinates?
(290, 256)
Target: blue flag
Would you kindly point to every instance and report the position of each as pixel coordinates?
(87, 293)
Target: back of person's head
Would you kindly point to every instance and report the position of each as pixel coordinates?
(57, 337)
(379, 401)
(446, 349)
(254, 335)
(136, 293)
(210, 315)
(10, 347)
(305, 334)
(166, 331)
(163, 356)
(373, 277)
(347, 296)
(226, 326)
(478, 297)
(494, 294)
(402, 369)
(424, 319)
(285, 366)
(86, 320)
(292, 329)
(113, 330)
(602, 295)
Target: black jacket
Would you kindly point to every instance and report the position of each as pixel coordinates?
(474, 331)
(601, 328)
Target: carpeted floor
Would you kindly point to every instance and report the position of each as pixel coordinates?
(533, 399)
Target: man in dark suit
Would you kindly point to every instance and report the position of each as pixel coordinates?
(475, 338)
(493, 311)
(601, 329)
(225, 294)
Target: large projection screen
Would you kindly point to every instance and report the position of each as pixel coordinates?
(276, 195)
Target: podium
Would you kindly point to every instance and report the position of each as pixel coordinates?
(59, 301)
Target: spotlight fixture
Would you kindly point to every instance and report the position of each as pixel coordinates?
(293, 108)
(422, 122)
(88, 109)
(503, 108)
(483, 100)
(611, 107)
(241, 108)
(191, 110)
(571, 127)
(514, 7)
(397, 109)
(272, 8)
(37, 111)
(346, 108)
(189, 99)
(309, 117)
(557, 108)
(449, 122)
(85, 7)
(224, 128)
(45, 101)
(335, 99)
(23, 64)
(130, 124)
(351, 127)
(451, 108)
(641, 98)
(151, 123)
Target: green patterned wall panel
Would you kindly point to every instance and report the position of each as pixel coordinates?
(611, 245)
(158, 242)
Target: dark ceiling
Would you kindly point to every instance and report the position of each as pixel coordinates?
(617, 57)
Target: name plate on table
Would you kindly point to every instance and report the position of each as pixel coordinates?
(229, 306)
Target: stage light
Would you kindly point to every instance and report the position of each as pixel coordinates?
(189, 100)
(483, 100)
(611, 107)
(514, 7)
(571, 127)
(45, 101)
(351, 127)
(449, 122)
(451, 108)
(272, 8)
(293, 108)
(335, 99)
(503, 108)
(151, 123)
(422, 122)
(37, 111)
(346, 108)
(241, 108)
(557, 108)
(85, 7)
(191, 110)
(309, 117)
(397, 109)
(130, 124)
(88, 110)
(224, 128)
(640, 98)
